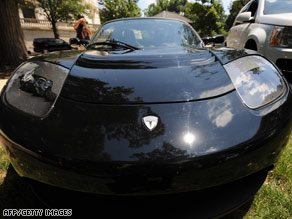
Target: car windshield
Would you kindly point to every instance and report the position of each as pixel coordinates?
(149, 33)
(278, 6)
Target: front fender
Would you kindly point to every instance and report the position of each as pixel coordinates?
(259, 36)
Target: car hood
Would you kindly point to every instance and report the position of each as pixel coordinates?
(146, 76)
(64, 58)
(277, 19)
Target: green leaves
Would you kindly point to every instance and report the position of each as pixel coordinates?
(62, 10)
(207, 15)
(114, 9)
(176, 6)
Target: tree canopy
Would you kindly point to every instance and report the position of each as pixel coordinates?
(207, 15)
(176, 6)
(114, 9)
(233, 11)
(58, 10)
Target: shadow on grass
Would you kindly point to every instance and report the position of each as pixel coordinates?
(15, 193)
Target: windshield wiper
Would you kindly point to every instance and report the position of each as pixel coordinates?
(114, 43)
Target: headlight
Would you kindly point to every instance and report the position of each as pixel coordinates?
(282, 37)
(256, 80)
(35, 86)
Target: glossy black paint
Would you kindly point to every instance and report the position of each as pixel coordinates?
(207, 203)
(171, 75)
(111, 150)
(68, 58)
(93, 139)
(168, 75)
(64, 58)
(225, 55)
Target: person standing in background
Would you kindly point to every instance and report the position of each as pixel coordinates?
(82, 30)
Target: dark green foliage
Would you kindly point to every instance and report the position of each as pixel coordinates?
(207, 15)
(165, 5)
(234, 10)
(114, 9)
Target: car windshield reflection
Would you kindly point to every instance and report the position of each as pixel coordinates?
(147, 34)
(277, 6)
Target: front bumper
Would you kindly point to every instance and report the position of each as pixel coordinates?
(208, 203)
(282, 57)
(110, 153)
(147, 178)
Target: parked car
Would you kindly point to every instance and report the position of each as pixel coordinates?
(265, 26)
(46, 45)
(215, 40)
(147, 111)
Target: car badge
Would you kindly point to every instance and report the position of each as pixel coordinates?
(150, 122)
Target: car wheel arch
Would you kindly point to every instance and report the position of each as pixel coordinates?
(256, 39)
(251, 44)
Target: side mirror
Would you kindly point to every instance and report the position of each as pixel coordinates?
(206, 40)
(84, 42)
(77, 42)
(214, 40)
(218, 39)
(244, 17)
(74, 41)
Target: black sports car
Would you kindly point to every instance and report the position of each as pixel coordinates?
(46, 45)
(146, 110)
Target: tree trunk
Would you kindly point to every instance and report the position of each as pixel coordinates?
(55, 29)
(12, 46)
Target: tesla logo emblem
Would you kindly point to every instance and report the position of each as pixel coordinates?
(150, 122)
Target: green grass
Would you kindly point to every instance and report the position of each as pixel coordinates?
(273, 200)
(4, 163)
